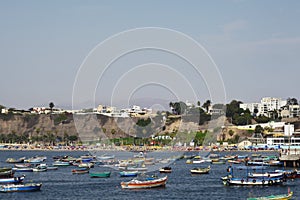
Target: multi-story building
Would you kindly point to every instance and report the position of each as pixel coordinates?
(266, 105)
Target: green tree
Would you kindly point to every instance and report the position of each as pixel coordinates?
(73, 138)
(198, 103)
(199, 138)
(206, 105)
(51, 106)
(262, 119)
(258, 129)
(232, 108)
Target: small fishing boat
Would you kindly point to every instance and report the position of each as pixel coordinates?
(251, 167)
(106, 157)
(13, 160)
(128, 173)
(37, 169)
(52, 168)
(61, 163)
(4, 169)
(274, 197)
(27, 169)
(235, 161)
(100, 174)
(86, 165)
(142, 184)
(7, 174)
(25, 165)
(265, 174)
(165, 170)
(136, 168)
(12, 180)
(253, 181)
(200, 170)
(198, 161)
(29, 187)
(36, 159)
(218, 162)
(80, 171)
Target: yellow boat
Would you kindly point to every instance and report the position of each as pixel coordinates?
(274, 197)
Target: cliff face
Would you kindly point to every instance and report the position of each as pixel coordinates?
(36, 124)
(96, 127)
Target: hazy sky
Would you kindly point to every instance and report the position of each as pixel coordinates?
(254, 44)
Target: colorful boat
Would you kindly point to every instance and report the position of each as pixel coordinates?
(128, 173)
(29, 187)
(165, 170)
(12, 180)
(274, 197)
(142, 184)
(80, 171)
(200, 170)
(100, 174)
(253, 181)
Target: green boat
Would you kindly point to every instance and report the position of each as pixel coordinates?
(274, 197)
(100, 174)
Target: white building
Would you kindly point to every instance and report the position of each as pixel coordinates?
(266, 105)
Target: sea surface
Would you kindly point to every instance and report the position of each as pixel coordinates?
(62, 184)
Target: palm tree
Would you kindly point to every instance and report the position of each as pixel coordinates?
(198, 103)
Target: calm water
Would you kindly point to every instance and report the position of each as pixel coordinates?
(61, 184)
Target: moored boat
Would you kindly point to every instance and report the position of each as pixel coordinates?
(12, 180)
(27, 169)
(165, 170)
(128, 173)
(274, 197)
(29, 187)
(80, 171)
(142, 184)
(7, 174)
(198, 170)
(25, 165)
(100, 174)
(266, 174)
(13, 160)
(253, 181)
(61, 163)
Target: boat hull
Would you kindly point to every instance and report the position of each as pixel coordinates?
(100, 175)
(12, 180)
(21, 188)
(253, 181)
(274, 197)
(135, 184)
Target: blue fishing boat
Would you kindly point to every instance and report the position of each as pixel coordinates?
(29, 187)
(12, 180)
(28, 169)
(128, 173)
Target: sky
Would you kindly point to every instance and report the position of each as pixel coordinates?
(253, 46)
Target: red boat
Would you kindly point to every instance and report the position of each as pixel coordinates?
(138, 184)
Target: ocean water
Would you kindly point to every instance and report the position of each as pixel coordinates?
(62, 184)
